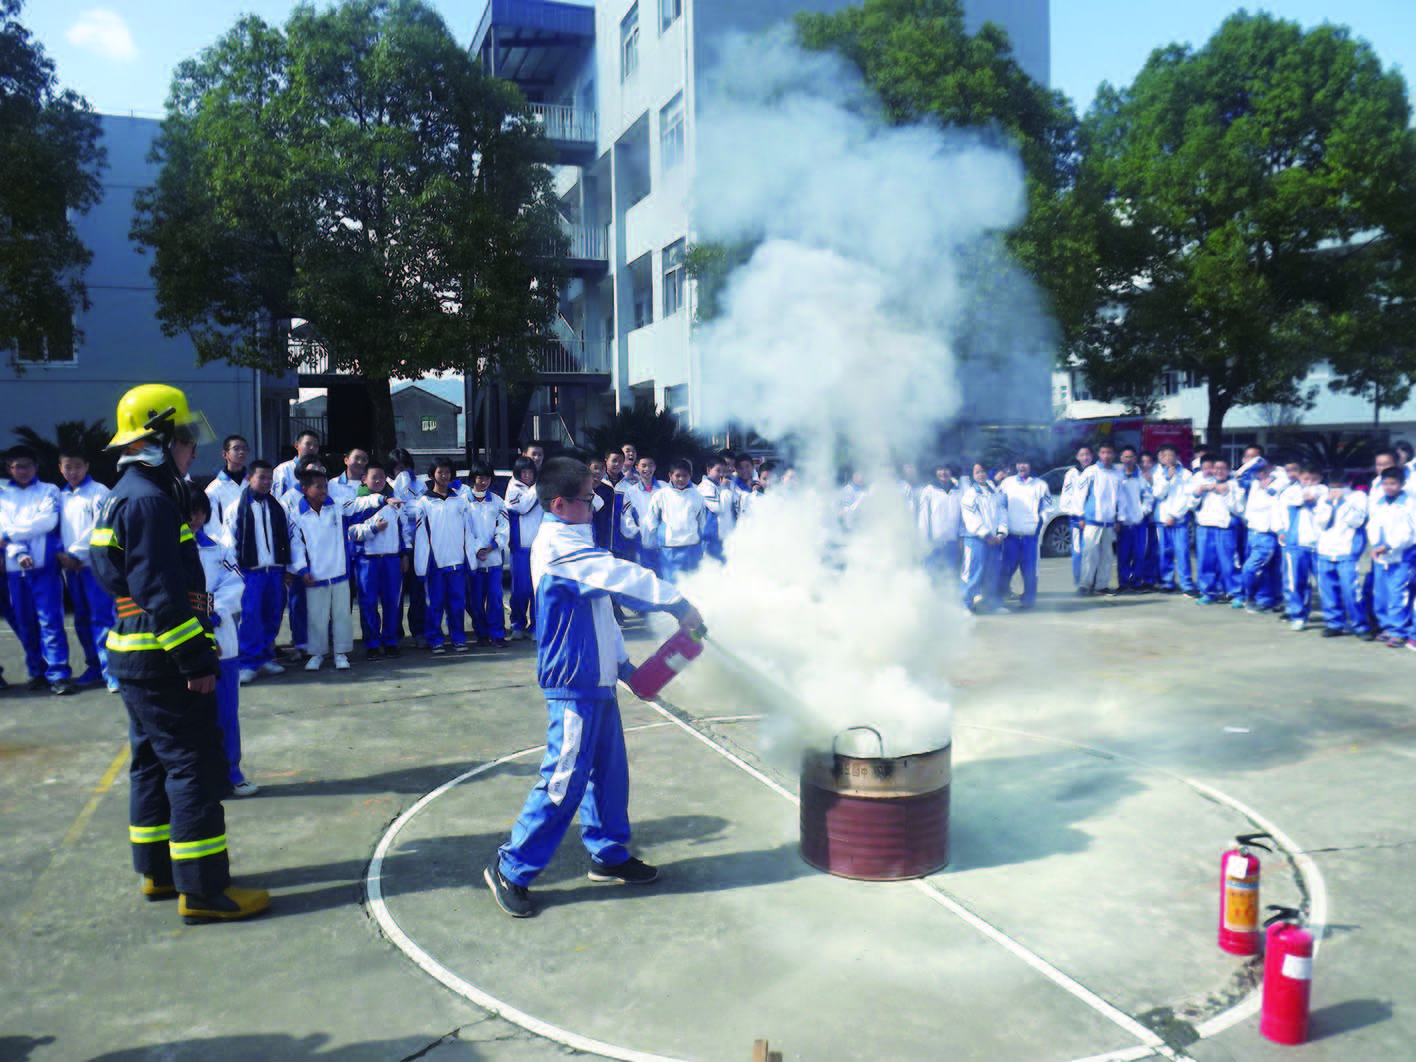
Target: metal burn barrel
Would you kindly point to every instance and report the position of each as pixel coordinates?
(875, 818)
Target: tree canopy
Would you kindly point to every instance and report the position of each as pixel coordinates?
(50, 163)
(1256, 203)
(355, 169)
(921, 61)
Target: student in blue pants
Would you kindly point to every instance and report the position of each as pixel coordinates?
(29, 534)
(579, 657)
(488, 534)
(524, 514)
(1341, 516)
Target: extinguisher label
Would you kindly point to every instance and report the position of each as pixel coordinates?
(676, 662)
(1241, 906)
(1298, 967)
(1236, 866)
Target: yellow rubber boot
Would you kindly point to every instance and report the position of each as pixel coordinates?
(153, 891)
(227, 906)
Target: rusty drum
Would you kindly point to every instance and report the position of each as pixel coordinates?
(875, 818)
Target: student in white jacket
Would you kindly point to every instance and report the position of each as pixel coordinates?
(523, 510)
(1265, 518)
(224, 490)
(440, 559)
(488, 537)
(1100, 501)
(636, 503)
(1029, 504)
(1391, 530)
(984, 526)
(1131, 522)
(408, 487)
(29, 533)
(1341, 516)
(319, 557)
(1299, 539)
(1218, 502)
(721, 502)
(382, 544)
(283, 479)
(938, 522)
(1170, 486)
(675, 518)
(224, 587)
(1073, 508)
(94, 613)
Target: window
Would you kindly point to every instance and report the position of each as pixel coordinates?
(629, 43)
(673, 277)
(57, 348)
(1080, 392)
(400, 426)
(643, 305)
(671, 134)
(1173, 381)
(430, 423)
(669, 12)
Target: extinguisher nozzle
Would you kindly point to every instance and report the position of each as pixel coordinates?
(1282, 914)
(1251, 840)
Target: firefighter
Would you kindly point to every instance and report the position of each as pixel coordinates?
(163, 654)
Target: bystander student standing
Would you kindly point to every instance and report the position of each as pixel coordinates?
(440, 558)
(260, 534)
(1028, 503)
(675, 518)
(721, 503)
(382, 543)
(1170, 485)
(984, 526)
(29, 522)
(79, 501)
(1131, 522)
(1391, 529)
(1341, 516)
(1072, 508)
(1300, 544)
(636, 504)
(319, 557)
(225, 489)
(1219, 501)
(1101, 502)
(938, 523)
(488, 537)
(524, 513)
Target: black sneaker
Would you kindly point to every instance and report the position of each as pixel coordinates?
(64, 687)
(393, 652)
(1368, 635)
(38, 684)
(514, 899)
(631, 872)
(438, 650)
(1191, 594)
(1333, 632)
(373, 653)
(501, 643)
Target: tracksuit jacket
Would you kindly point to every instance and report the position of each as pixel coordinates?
(439, 532)
(1340, 526)
(1300, 503)
(636, 505)
(317, 543)
(29, 521)
(675, 517)
(224, 492)
(78, 512)
(524, 514)
(938, 519)
(1027, 503)
(1171, 490)
(1217, 510)
(488, 525)
(721, 503)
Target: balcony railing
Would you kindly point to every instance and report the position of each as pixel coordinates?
(575, 356)
(311, 358)
(587, 243)
(561, 122)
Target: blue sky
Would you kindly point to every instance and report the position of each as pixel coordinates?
(120, 53)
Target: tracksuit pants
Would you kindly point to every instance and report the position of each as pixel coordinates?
(1259, 568)
(1298, 566)
(1218, 574)
(37, 608)
(484, 585)
(1341, 589)
(677, 561)
(299, 623)
(943, 560)
(380, 587)
(228, 697)
(1075, 523)
(585, 769)
(1175, 556)
(979, 574)
(1150, 562)
(1020, 552)
(331, 625)
(262, 605)
(178, 777)
(416, 593)
(652, 557)
(1130, 554)
(93, 618)
(1391, 589)
(713, 547)
(523, 597)
(447, 600)
(1096, 555)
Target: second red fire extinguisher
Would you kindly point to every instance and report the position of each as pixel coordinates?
(1239, 895)
(1288, 977)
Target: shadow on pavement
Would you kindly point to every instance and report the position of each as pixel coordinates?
(276, 1047)
(1347, 1016)
(412, 780)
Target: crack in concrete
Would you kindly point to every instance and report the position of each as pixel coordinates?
(1359, 847)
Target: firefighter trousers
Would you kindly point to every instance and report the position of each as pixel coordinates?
(178, 778)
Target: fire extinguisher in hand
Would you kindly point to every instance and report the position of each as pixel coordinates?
(1239, 895)
(1288, 977)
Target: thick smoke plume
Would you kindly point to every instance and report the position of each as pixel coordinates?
(838, 333)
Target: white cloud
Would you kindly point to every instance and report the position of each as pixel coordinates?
(104, 33)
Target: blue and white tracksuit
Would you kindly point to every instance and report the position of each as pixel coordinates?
(524, 512)
(1391, 522)
(580, 655)
(319, 548)
(1072, 507)
(636, 505)
(1300, 547)
(1265, 519)
(937, 519)
(93, 608)
(1342, 539)
(982, 515)
(378, 552)
(409, 488)
(224, 491)
(1171, 489)
(1131, 529)
(488, 527)
(721, 502)
(263, 568)
(29, 524)
(1100, 500)
(440, 559)
(225, 585)
(299, 617)
(1216, 540)
(675, 519)
(1028, 503)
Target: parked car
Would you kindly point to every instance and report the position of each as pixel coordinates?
(1057, 535)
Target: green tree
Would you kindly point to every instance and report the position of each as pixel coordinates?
(88, 439)
(1371, 341)
(1241, 187)
(656, 433)
(50, 162)
(920, 60)
(356, 170)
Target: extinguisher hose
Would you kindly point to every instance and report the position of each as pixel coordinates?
(1283, 914)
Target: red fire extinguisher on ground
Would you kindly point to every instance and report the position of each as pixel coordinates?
(1239, 896)
(1288, 977)
(668, 660)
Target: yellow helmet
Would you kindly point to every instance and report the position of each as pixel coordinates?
(152, 411)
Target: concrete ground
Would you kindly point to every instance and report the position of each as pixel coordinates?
(1075, 920)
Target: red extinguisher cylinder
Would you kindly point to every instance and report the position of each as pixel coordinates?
(1288, 982)
(668, 660)
(1239, 931)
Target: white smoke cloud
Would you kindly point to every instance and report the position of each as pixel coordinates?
(839, 333)
(104, 33)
